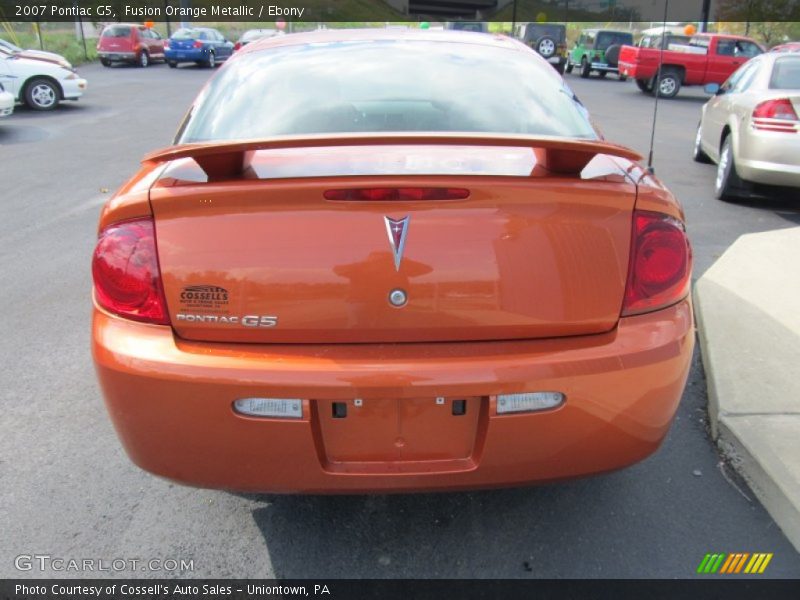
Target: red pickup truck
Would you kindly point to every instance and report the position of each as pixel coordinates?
(707, 58)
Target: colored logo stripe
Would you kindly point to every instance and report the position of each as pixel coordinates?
(727, 564)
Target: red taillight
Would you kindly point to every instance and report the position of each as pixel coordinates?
(775, 115)
(236, 46)
(198, 44)
(407, 193)
(127, 280)
(166, 44)
(660, 263)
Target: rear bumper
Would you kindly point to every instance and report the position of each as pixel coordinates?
(634, 71)
(601, 66)
(186, 54)
(170, 402)
(768, 157)
(118, 56)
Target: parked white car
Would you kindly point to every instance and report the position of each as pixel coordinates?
(38, 54)
(39, 84)
(6, 102)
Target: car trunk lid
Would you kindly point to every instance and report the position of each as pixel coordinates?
(264, 259)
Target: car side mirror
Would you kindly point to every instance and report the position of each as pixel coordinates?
(713, 89)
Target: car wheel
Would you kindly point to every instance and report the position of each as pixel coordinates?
(668, 84)
(172, 64)
(586, 68)
(612, 54)
(568, 67)
(697, 151)
(727, 185)
(143, 60)
(644, 85)
(546, 46)
(42, 94)
(211, 62)
(105, 62)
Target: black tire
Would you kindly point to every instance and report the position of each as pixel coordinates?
(172, 64)
(727, 185)
(568, 67)
(546, 46)
(668, 85)
(211, 61)
(612, 54)
(105, 62)
(645, 85)
(143, 60)
(697, 150)
(586, 68)
(42, 94)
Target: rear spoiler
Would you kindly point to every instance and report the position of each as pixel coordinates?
(230, 159)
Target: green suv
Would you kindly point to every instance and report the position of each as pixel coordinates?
(598, 50)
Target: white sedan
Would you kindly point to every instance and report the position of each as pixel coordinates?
(39, 84)
(751, 128)
(6, 102)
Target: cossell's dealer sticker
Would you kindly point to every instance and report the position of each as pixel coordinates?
(204, 296)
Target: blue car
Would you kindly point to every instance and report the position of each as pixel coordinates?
(201, 45)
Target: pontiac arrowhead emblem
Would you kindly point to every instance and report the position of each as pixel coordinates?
(397, 230)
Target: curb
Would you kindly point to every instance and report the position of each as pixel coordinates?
(747, 307)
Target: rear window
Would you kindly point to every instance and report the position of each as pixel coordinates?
(535, 32)
(609, 38)
(185, 34)
(378, 86)
(117, 31)
(785, 74)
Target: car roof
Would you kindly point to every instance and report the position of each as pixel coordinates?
(373, 35)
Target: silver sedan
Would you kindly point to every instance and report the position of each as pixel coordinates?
(750, 128)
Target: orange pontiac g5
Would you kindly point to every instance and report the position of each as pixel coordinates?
(383, 261)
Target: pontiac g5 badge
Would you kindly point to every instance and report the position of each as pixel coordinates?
(397, 230)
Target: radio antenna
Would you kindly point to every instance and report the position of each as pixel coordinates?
(656, 84)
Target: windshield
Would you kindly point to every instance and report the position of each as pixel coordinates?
(382, 86)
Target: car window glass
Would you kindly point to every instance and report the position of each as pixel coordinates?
(726, 47)
(185, 34)
(260, 96)
(785, 74)
(117, 31)
(748, 49)
(746, 78)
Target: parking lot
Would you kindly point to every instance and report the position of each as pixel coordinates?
(68, 490)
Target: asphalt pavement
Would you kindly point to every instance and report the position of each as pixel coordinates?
(67, 490)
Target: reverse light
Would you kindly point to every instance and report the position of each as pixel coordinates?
(528, 402)
(127, 279)
(283, 408)
(660, 263)
(404, 193)
(777, 114)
